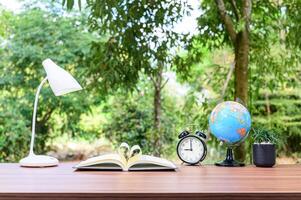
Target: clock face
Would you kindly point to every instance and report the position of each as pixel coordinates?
(191, 150)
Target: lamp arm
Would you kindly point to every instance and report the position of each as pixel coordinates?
(34, 116)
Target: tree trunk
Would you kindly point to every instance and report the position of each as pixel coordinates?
(241, 79)
(240, 41)
(157, 82)
(157, 108)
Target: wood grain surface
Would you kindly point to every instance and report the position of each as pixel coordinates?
(197, 182)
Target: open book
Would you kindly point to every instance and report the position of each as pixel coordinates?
(127, 159)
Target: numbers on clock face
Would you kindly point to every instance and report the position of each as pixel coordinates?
(191, 150)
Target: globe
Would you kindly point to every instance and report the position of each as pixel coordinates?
(230, 122)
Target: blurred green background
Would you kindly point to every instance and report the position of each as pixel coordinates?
(145, 77)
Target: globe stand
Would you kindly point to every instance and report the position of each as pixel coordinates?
(229, 161)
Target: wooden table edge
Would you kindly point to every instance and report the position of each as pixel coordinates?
(203, 196)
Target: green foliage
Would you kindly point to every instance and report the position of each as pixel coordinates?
(273, 61)
(291, 18)
(4, 20)
(282, 99)
(139, 38)
(34, 36)
(128, 122)
(206, 80)
(131, 121)
(268, 54)
(262, 135)
(266, 50)
(140, 41)
(280, 111)
(121, 47)
(14, 132)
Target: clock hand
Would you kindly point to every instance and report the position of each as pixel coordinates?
(190, 145)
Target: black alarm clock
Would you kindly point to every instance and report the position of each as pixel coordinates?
(192, 149)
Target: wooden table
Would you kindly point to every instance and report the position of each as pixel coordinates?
(200, 182)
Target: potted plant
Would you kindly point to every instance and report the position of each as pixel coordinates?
(264, 147)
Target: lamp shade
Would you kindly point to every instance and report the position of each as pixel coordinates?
(60, 81)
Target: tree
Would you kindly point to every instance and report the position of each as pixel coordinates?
(250, 28)
(35, 35)
(241, 43)
(140, 38)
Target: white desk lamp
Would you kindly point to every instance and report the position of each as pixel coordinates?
(61, 82)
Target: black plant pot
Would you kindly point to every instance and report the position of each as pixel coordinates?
(264, 155)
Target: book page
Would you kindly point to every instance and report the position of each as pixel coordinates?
(150, 162)
(127, 159)
(134, 151)
(103, 159)
(102, 166)
(124, 151)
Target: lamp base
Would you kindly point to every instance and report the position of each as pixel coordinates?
(38, 161)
